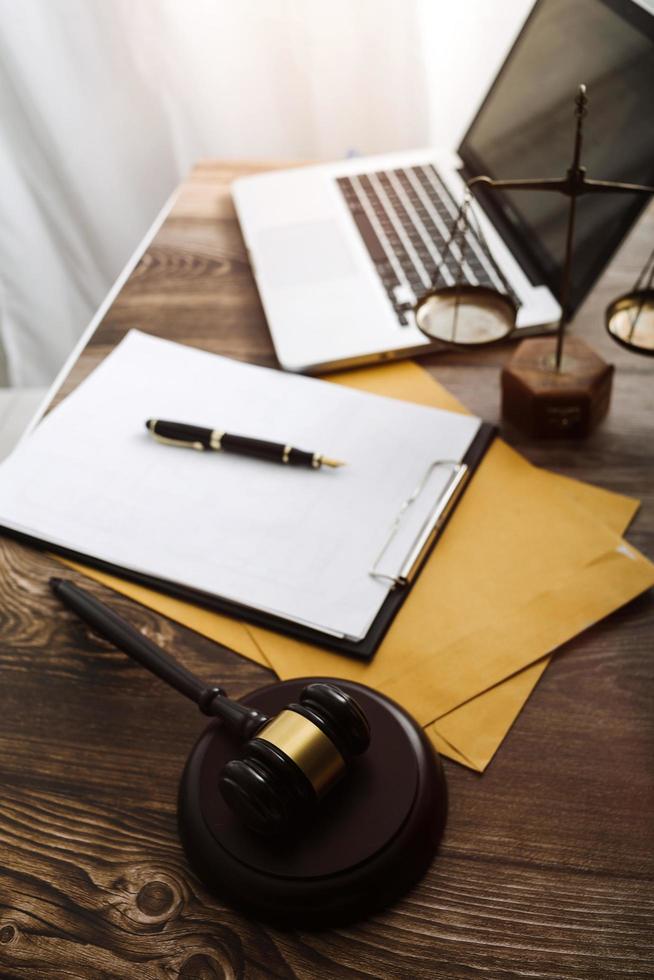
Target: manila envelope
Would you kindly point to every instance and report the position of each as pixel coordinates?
(521, 542)
(480, 725)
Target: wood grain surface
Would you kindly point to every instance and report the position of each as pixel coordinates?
(547, 865)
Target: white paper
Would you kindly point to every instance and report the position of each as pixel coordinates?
(296, 542)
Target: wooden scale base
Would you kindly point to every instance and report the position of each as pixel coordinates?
(371, 838)
(544, 402)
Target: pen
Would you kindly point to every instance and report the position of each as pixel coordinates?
(195, 437)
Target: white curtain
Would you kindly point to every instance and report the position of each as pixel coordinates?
(105, 104)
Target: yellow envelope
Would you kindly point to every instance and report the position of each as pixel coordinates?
(517, 547)
(472, 733)
(479, 659)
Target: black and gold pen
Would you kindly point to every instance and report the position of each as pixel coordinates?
(195, 437)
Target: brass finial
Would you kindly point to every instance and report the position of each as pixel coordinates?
(581, 101)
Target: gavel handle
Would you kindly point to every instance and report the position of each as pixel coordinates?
(212, 700)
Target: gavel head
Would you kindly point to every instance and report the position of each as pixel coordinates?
(294, 759)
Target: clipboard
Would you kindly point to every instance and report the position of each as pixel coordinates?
(402, 580)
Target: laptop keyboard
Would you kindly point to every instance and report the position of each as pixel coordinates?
(405, 218)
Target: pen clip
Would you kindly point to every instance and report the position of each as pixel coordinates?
(176, 442)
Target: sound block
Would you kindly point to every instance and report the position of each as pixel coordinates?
(544, 402)
(372, 836)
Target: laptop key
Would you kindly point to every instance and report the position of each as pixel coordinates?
(367, 232)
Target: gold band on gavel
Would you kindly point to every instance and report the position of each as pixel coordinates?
(307, 746)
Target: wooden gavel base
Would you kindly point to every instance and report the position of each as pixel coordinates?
(369, 840)
(544, 402)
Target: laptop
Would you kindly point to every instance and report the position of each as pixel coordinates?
(341, 252)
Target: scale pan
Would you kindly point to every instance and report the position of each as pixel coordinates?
(466, 316)
(630, 321)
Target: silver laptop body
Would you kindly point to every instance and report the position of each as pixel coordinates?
(341, 251)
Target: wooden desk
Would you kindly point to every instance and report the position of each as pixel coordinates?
(547, 865)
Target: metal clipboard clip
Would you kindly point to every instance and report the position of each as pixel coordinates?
(431, 526)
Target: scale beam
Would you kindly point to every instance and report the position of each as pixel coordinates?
(564, 185)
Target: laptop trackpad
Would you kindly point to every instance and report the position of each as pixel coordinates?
(304, 252)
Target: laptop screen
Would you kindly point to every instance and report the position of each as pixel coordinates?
(525, 128)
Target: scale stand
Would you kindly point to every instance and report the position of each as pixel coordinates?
(547, 399)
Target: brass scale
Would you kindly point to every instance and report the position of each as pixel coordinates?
(473, 315)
